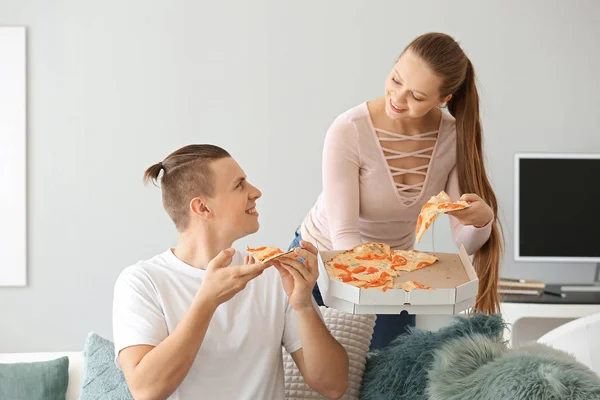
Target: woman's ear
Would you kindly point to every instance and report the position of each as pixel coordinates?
(199, 208)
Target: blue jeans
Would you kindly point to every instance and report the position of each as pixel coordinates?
(387, 326)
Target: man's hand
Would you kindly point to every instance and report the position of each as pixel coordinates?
(479, 214)
(221, 282)
(299, 278)
(322, 360)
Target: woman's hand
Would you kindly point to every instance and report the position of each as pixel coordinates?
(479, 214)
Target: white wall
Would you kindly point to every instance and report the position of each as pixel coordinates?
(115, 86)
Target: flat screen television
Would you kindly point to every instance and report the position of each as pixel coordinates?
(557, 208)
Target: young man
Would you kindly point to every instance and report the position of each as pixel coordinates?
(200, 321)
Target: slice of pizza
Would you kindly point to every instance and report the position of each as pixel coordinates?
(339, 271)
(368, 274)
(365, 266)
(343, 273)
(410, 260)
(410, 285)
(383, 282)
(436, 205)
(375, 255)
(343, 267)
(362, 277)
(421, 260)
(371, 251)
(266, 253)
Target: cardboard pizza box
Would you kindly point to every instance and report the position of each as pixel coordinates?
(452, 277)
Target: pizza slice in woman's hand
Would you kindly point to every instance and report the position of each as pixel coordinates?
(435, 206)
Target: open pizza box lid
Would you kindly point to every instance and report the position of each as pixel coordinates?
(452, 277)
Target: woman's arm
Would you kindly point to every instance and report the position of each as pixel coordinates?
(341, 195)
(471, 236)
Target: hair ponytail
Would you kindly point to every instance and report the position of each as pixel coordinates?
(152, 173)
(472, 178)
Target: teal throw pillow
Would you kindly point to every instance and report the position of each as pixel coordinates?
(102, 380)
(39, 380)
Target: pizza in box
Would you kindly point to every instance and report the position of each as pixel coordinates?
(374, 265)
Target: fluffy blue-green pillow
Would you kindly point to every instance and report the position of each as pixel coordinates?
(40, 380)
(400, 370)
(101, 377)
(478, 368)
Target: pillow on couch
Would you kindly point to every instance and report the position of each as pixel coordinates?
(101, 377)
(478, 368)
(354, 333)
(40, 380)
(400, 370)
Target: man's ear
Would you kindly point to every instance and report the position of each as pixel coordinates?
(199, 207)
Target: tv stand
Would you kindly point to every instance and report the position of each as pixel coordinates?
(529, 317)
(594, 287)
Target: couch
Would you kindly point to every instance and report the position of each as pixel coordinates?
(75, 366)
(352, 331)
(406, 353)
(579, 338)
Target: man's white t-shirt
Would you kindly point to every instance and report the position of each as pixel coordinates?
(241, 355)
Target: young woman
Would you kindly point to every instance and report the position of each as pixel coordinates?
(383, 159)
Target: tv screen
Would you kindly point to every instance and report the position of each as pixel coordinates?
(557, 207)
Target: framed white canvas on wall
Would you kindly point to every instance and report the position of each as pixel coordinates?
(13, 157)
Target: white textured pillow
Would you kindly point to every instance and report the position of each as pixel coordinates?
(354, 332)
